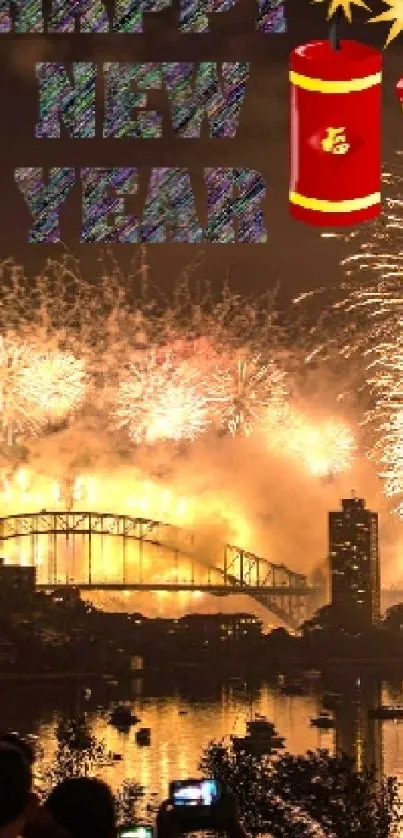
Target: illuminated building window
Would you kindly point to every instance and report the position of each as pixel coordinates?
(354, 560)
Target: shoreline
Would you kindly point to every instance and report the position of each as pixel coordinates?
(297, 666)
(56, 676)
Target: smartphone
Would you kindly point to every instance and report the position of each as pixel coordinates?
(136, 830)
(194, 793)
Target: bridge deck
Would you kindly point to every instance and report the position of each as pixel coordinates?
(283, 590)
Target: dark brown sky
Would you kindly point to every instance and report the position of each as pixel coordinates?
(295, 254)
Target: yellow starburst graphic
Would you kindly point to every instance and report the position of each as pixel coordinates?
(345, 5)
(394, 14)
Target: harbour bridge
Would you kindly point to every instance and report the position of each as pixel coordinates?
(95, 551)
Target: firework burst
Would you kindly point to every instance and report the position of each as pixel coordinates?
(244, 390)
(159, 400)
(324, 447)
(375, 303)
(363, 323)
(17, 415)
(52, 382)
(177, 355)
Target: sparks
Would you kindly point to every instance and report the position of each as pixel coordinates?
(393, 14)
(324, 447)
(244, 390)
(345, 5)
(54, 382)
(17, 415)
(364, 326)
(158, 400)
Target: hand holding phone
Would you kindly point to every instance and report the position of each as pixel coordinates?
(190, 794)
(176, 817)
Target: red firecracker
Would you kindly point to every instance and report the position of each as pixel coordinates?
(335, 169)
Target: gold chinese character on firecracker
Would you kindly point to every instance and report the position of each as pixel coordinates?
(335, 141)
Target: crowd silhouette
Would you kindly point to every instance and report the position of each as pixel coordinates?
(82, 807)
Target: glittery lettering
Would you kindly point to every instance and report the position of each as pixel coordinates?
(193, 16)
(170, 212)
(62, 102)
(234, 205)
(78, 15)
(129, 13)
(195, 91)
(128, 17)
(222, 5)
(98, 204)
(251, 193)
(235, 195)
(121, 100)
(44, 200)
(91, 16)
(27, 16)
(271, 17)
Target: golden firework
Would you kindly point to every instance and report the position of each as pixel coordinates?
(160, 400)
(17, 416)
(242, 391)
(362, 324)
(52, 381)
(324, 447)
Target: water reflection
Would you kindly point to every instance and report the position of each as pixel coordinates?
(358, 733)
(186, 715)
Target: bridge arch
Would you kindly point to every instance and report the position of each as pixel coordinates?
(73, 548)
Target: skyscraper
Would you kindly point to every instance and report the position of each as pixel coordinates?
(354, 569)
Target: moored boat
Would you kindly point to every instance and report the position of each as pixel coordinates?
(143, 736)
(122, 716)
(261, 738)
(387, 712)
(323, 722)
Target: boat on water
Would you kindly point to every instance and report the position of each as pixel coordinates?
(122, 716)
(323, 722)
(143, 736)
(261, 738)
(260, 726)
(387, 712)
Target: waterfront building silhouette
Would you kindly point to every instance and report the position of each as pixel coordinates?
(354, 568)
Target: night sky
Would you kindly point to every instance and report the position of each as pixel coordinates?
(295, 255)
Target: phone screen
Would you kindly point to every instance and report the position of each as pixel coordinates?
(136, 831)
(195, 792)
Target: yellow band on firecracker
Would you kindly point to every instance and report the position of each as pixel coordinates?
(322, 86)
(317, 204)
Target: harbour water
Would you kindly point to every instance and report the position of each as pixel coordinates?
(185, 717)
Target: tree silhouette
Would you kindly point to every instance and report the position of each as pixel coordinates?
(305, 795)
(80, 754)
